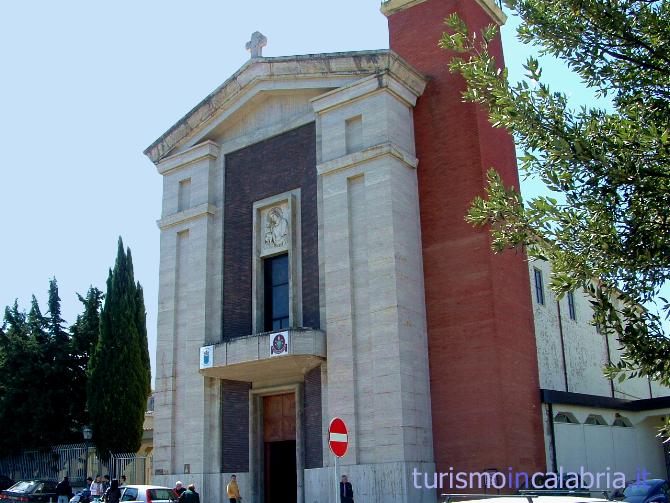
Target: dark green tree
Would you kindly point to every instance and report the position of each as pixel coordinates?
(37, 376)
(60, 372)
(37, 385)
(119, 373)
(18, 386)
(607, 230)
(58, 425)
(84, 338)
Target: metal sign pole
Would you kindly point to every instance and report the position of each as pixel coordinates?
(337, 483)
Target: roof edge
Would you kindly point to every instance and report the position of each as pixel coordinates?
(491, 7)
(309, 65)
(603, 402)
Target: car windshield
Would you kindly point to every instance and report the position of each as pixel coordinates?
(162, 494)
(129, 494)
(23, 487)
(637, 489)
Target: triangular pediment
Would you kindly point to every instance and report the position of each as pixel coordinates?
(275, 89)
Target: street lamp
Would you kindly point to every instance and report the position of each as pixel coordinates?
(88, 435)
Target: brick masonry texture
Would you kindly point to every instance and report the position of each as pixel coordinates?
(235, 426)
(312, 419)
(483, 360)
(267, 168)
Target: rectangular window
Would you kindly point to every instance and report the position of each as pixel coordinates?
(276, 288)
(161, 495)
(184, 196)
(354, 134)
(571, 306)
(539, 287)
(129, 494)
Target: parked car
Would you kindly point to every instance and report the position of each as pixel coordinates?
(527, 498)
(32, 491)
(646, 491)
(5, 482)
(84, 496)
(148, 494)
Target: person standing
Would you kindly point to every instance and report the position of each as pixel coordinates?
(113, 494)
(189, 496)
(64, 490)
(346, 491)
(86, 493)
(96, 488)
(122, 481)
(233, 490)
(179, 488)
(105, 484)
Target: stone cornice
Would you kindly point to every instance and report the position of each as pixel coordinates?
(390, 7)
(407, 89)
(314, 68)
(367, 155)
(205, 149)
(186, 216)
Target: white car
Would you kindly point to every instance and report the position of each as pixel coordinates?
(148, 494)
(527, 498)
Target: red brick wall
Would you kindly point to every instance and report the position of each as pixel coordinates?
(483, 362)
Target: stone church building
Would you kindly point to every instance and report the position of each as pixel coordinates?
(315, 262)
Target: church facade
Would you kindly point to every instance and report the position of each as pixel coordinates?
(315, 263)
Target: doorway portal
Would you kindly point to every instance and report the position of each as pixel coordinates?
(280, 472)
(279, 449)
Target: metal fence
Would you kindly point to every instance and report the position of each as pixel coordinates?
(137, 469)
(77, 461)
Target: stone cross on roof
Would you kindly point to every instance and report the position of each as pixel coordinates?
(256, 44)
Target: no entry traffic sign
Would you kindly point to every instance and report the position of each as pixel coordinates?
(338, 437)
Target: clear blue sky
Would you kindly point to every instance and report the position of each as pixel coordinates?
(86, 86)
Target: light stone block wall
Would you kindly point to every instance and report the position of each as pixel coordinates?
(267, 110)
(377, 372)
(386, 119)
(387, 253)
(372, 483)
(187, 404)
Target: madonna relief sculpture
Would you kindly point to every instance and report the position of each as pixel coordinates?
(276, 229)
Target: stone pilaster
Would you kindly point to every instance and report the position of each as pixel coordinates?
(187, 404)
(375, 312)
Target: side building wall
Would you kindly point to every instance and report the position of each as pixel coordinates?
(586, 350)
(571, 356)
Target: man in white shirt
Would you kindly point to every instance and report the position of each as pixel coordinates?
(96, 488)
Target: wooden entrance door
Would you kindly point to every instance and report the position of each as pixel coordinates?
(279, 453)
(279, 418)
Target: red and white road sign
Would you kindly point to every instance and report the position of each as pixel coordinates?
(338, 437)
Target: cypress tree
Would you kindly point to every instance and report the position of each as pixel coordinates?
(59, 427)
(119, 373)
